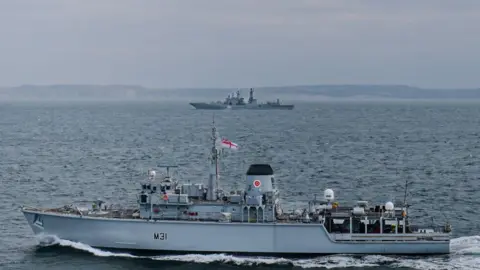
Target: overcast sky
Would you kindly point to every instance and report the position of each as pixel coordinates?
(206, 43)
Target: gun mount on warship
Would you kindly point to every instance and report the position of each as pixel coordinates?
(186, 217)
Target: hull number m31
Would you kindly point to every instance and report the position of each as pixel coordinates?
(160, 236)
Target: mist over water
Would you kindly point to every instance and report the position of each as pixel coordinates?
(297, 93)
(55, 153)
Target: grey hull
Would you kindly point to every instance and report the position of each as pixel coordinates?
(263, 107)
(213, 106)
(208, 106)
(191, 236)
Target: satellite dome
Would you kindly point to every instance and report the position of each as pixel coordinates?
(389, 206)
(152, 173)
(328, 195)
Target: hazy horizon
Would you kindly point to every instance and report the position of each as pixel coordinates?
(289, 93)
(243, 86)
(218, 44)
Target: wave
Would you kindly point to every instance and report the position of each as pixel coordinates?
(462, 256)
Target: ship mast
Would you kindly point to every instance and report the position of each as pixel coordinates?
(213, 181)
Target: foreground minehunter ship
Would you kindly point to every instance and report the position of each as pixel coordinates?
(237, 103)
(204, 218)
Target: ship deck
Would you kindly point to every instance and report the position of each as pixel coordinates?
(341, 234)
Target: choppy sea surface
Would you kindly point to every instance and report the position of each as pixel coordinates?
(56, 153)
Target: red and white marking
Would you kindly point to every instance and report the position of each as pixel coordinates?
(229, 144)
(257, 183)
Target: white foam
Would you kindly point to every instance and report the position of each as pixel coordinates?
(461, 257)
(51, 240)
(224, 258)
(466, 245)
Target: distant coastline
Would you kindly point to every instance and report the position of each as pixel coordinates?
(287, 93)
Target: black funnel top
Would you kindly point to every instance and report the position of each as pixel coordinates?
(260, 169)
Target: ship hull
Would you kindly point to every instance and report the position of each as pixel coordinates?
(263, 107)
(212, 237)
(208, 106)
(213, 106)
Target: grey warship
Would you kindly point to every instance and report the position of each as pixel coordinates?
(238, 103)
(204, 218)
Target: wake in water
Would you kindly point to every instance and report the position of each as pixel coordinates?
(464, 255)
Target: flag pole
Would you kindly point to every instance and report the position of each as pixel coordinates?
(216, 157)
(213, 181)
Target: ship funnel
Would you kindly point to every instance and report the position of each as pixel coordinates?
(260, 178)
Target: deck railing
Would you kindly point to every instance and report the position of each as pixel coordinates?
(436, 229)
(120, 212)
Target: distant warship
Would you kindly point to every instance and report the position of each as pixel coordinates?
(237, 102)
(175, 217)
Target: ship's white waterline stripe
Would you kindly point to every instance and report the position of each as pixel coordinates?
(465, 251)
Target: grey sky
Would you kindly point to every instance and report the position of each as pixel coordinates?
(206, 43)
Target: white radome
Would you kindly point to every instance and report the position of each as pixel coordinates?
(389, 206)
(329, 195)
